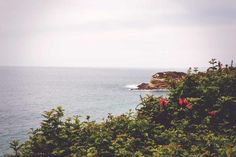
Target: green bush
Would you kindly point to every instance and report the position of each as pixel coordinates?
(197, 119)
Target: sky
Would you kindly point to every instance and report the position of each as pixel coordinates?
(117, 33)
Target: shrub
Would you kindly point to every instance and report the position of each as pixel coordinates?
(196, 119)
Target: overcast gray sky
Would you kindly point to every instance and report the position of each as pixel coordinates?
(117, 33)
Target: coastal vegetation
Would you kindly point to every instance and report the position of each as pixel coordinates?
(196, 119)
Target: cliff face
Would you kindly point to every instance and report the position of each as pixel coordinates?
(159, 80)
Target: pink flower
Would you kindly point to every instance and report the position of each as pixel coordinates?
(185, 101)
(189, 106)
(180, 102)
(212, 114)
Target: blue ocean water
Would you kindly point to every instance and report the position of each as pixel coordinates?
(26, 92)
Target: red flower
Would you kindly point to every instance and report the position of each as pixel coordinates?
(185, 101)
(163, 103)
(189, 106)
(212, 114)
(180, 102)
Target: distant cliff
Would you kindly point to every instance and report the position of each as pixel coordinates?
(160, 80)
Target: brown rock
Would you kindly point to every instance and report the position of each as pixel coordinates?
(160, 80)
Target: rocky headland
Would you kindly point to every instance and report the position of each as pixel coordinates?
(160, 80)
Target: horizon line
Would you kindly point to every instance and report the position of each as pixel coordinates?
(94, 67)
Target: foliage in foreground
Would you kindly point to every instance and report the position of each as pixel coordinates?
(197, 119)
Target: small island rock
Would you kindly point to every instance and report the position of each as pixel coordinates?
(160, 80)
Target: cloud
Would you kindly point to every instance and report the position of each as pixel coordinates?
(125, 33)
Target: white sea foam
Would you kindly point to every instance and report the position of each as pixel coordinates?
(132, 86)
(150, 90)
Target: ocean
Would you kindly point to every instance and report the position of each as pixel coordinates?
(25, 92)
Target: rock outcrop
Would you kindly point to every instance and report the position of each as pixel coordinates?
(160, 80)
